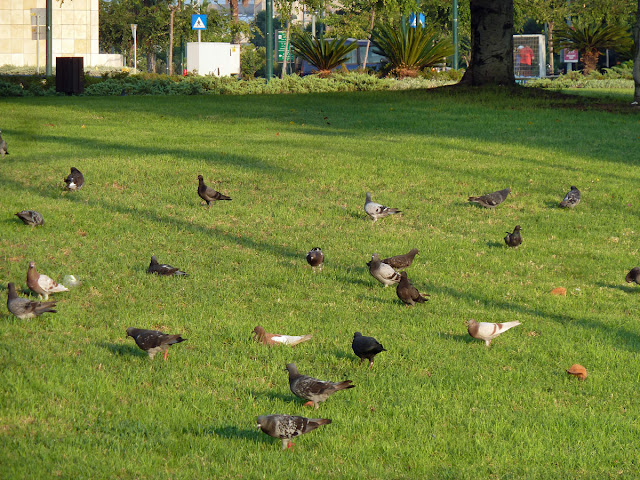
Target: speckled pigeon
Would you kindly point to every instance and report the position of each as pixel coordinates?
(153, 341)
(408, 293)
(571, 199)
(287, 427)
(491, 200)
(376, 211)
(75, 180)
(208, 194)
(30, 217)
(513, 239)
(261, 336)
(163, 268)
(366, 347)
(24, 308)
(42, 284)
(382, 272)
(312, 389)
(488, 331)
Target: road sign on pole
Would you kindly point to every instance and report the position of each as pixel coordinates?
(198, 22)
(282, 41)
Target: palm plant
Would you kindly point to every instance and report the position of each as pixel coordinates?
(590, 39)
(409, 49)
(323, 54)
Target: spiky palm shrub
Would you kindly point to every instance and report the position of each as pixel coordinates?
(408, 49)
(323, 54)
(589, 40)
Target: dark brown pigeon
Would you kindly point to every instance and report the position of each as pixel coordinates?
(513, 239)
(153, 341)
(75, 180)
(408, 293)
(24, 308)
(382, 272)
(209, 194)
(287, 427)
(571, 199)
(491, 200)
(633, 275)
(315, 258)
(3, 147)
(30, 217)
(366, 347)
(402, 261)
(163, 268)
(312, 389)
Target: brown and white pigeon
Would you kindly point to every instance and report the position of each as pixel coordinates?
(261, 336)
(30, 217)
(491, 200)
(408, 293)
(41, 284)
(208, 194)
(513, 239)
(376, 211)
(633, 275)
(366, 347)
(312, 389)
(488, 331)
(382, 272)
(164, 269)
(571, 199)
(315, 258)
(401, 261)
(75, 180)
(3, 147)
(153, 341)
(24, 308)
(287, 427)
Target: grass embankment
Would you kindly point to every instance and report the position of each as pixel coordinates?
(80, 400)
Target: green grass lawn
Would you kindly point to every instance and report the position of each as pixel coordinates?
(80, 400)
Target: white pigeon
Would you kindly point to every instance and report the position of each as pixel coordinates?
(382, 272)
(488, 331)
(42, 284)
(376, 211)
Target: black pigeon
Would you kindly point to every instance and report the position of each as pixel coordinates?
(30, 217)
(633, 275)
(315, 258)
(401, 261)
(209, 194)
(153, 341)
(408, 293)
(3, 147)
(287, 427)
(513, 239)
(163, 268)
(571, 199)
(75, 180)
(366, 347)
(312, 389)
(24, 308)
(491, 200)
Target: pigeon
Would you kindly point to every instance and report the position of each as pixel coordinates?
(315, 258)
(488, 331)
(376, 211)
(513, 239)
(30, 217)
(3, 147)
(286, 427)
(578, 370)
(24, 308)
(571, 199)
(366, 347)
(402, 261)
(491, 200)
(261, 336)
(408, 293)
(311, 389)
(41, 284)
(382, 272)
(75, 180)
(153, 341)
(209, 194)
(633, 275)
(164, 269)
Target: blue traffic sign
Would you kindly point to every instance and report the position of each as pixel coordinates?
(198, 22)
(412, 20)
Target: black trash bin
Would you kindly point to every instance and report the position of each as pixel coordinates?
(70, 75)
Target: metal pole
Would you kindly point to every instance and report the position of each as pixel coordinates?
(569, 65)
(49, 20)
(134, 28)
(456, 52)
(269, 40)
(37, 44)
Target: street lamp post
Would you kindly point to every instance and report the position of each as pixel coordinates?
(134, 28)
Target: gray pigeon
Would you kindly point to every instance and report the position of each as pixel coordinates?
(402, 261)
(312, 389)
(3, 147)
(491, 200)
(571, 199)
(513, 239)
(24, 308)
(382, 272)
(376, 211)
(408, 293)
(633, 275)
(153, 341)
(75, 180)
(208, 194)
(163, 268)
(488, 331)
(366, 347)
(315, 258)
(30, 217)
(287, 427)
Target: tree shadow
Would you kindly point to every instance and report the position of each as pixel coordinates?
(123, 349)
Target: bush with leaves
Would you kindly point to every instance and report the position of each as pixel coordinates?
(323, 54)
(252, 59)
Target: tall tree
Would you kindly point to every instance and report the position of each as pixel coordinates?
(636, 57)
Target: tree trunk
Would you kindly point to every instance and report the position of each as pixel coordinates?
(172, 11)
(286, 50)
(366, 51)
(636, 57)
(235, 18)
(491, 60)
(590, 61)
(550, 47)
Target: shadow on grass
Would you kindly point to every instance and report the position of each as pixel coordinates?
(123, 349)
(341, 354)
(493, 244)
(624, 288)
(274, 395)
(232, 432)
(459, 337)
